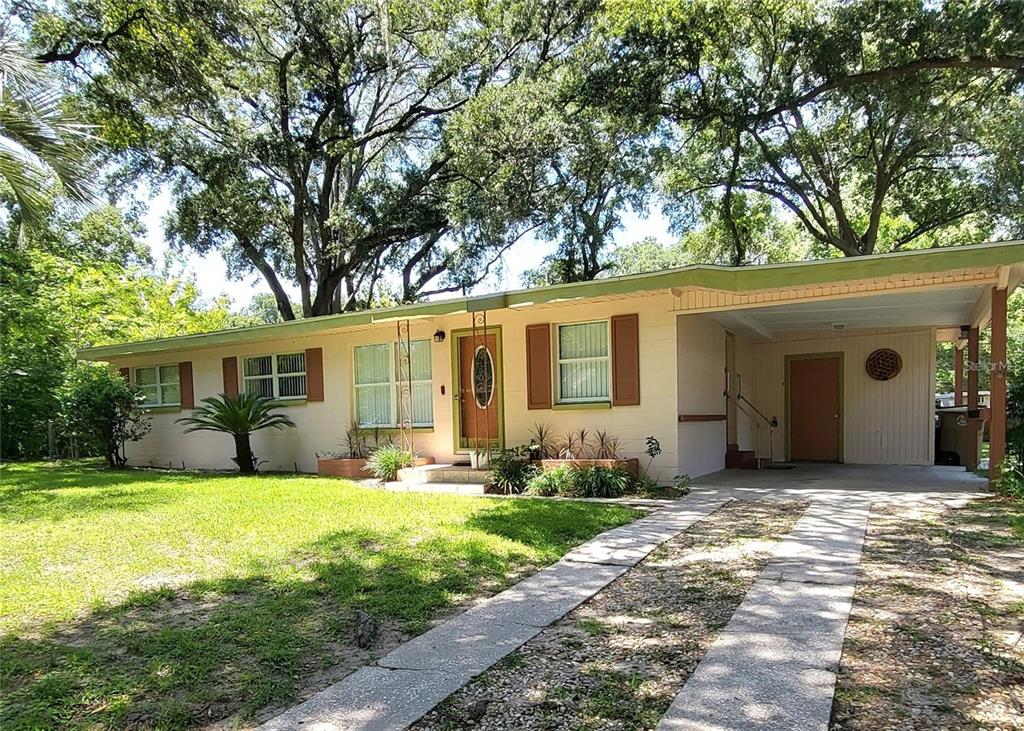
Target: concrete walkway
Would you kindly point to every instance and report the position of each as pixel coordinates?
(409, 681)
(774, 665)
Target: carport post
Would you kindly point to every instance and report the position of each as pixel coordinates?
(972, 373)
(958, 375)
(997, 403)
(974, 422)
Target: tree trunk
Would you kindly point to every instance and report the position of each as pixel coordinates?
(243, 455)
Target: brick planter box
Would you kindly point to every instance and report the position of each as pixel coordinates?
(630, 466)
(353, 468)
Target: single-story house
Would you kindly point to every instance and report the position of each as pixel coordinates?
(829, 360)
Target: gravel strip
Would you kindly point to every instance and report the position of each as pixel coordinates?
(617, 661)
(935, 636)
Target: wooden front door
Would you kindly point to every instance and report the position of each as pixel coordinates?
(479, 391)
(815, 408)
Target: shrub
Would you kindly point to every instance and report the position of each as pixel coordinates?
(509, 472)
(1011, 482)
(1015, 424)
(597, 481)
(386, 460)
(551, 482)
(593, 481)
(100, 409)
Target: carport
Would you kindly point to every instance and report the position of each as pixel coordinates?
(844, 372)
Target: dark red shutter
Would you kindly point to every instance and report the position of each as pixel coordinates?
(188, 396)
(315, 374)
(230, 377)
(538, 366)
(625, 360)
(126, 374)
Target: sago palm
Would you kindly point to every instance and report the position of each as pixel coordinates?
(40, 144)
(238, 416)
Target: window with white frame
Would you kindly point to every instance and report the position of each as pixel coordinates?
(584, 365)
(159, 385)
(275, 376)
(377, 388)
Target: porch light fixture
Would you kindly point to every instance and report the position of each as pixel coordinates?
(965, 332)
(439, 336)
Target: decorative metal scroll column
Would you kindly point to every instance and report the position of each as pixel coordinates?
(481, 388)
(405, 416)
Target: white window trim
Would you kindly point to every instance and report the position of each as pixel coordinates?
(559, 360)
(393, 376)
(159, 385)
(274, 377)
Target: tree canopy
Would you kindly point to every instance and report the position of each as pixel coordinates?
(311, 140)
(877, 125)
(374, 152)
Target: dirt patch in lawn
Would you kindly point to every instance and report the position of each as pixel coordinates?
(935, 635)
(618, 660)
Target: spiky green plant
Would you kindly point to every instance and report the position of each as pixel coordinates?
(386, 460)
(544, 441)
(40, 143)
(238, 416)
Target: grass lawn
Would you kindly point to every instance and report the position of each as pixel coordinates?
(143, 599)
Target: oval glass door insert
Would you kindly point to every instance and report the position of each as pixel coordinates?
(483, 377)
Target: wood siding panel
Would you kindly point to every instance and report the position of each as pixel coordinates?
(314, 374)
(885, 422)
(188, 392)
(538, 366)
(230, 369)
(625, 360)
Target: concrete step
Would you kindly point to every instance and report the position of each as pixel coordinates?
(444, 473)
(440, 488)
(744, 459)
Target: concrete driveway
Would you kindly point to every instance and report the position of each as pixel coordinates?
(842, 482)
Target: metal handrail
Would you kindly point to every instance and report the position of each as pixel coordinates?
(770, 422)
(739, 400)
(750, 416)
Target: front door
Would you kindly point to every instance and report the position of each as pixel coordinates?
(479, 391)
(815, 410)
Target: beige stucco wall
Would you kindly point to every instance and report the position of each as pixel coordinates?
(888, 422)
(322, 426)
(700, 354)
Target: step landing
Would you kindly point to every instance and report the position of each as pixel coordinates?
(444, 474)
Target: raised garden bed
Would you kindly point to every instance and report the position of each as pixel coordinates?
(631, 465)
(353, 468)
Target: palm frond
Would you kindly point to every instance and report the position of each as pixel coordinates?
(40, 143)
(243, 414)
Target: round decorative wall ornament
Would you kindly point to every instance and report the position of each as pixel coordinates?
(883, 364)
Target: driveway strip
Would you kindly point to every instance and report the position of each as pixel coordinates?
(773, 667)
(407, 682)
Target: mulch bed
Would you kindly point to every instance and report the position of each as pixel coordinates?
(618, 661)
(935, 635)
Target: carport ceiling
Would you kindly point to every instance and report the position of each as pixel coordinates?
(939, 307)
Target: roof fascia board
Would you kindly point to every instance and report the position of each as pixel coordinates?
(735, 279)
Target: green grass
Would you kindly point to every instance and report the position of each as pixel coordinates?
(170, 600)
